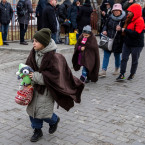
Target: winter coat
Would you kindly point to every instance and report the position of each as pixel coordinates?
(28, 9)
(49, 18)
(6, 13)
(41, 5)
(64, 88)
(62, 10)
(72, 13)
(84, 16)
(126, 4)
(134, 36)
(110, 27)
(41, 105)
(107, 12)
(89, 57)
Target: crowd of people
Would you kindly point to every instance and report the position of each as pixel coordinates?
(52, 78)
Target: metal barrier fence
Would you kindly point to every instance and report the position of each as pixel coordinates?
(14, 30)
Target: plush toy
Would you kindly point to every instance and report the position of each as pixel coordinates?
(23, 73)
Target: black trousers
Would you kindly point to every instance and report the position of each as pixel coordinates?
(39, 23)
(23, 30)
(135, 53)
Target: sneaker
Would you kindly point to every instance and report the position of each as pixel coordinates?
(102, 73)
(130, 77)
(82, 78)
(116, 71)
(37, 135)
(53, 128)
(120, 78)
(87, 81)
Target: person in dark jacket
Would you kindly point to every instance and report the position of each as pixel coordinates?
(49, 18)
(41, 5)
(127, 4)
(84, 15)
(73, 11)
(24, 21)
(110, 29)
(143, 13)
(105, 12)
(6, 14)
(134, 40)
(62, 11)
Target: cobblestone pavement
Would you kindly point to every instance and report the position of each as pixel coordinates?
(110, 113)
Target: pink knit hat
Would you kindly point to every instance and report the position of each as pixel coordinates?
(117, 7)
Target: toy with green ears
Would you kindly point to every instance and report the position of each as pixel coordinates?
(23, 73)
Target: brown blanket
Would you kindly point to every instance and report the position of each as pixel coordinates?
(90, 57)
(63, 86)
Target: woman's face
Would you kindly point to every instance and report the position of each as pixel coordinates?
(116, 13)
(130, 13)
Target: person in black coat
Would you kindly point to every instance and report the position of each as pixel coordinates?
(73, 11)
(41, 5)
(105, 12)
(6, 14)
(49, 19)
(62, 10)
(143, 13)
(117, 18)
(83, 18)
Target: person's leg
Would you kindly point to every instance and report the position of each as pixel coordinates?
(53, 122)
(84, 74)
(135, 52)
(117, 63)
(53, 36)
(22, 32)
(6, 27)
(36, 124)
(125, 56)
(117, 60)
(2, 28)
(106, 60)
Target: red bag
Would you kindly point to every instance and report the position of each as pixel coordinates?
(24, 96)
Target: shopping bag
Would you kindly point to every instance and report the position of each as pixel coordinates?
(72, 39)
(1, 39)
(24, 96)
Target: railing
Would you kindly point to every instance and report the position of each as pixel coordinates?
(14, 30)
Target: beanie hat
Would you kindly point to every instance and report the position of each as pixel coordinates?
(43, 36)
(117, 7)
(87, 29)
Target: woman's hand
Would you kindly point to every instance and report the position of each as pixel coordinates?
(82, 48)
(123, 29)
(31, 75)
(104, 32)
(118, 28)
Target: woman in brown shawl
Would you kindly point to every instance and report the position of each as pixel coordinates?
(86, 54)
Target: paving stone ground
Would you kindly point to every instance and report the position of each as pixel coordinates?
(110, 113)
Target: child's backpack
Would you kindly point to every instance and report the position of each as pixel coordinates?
(21, 8)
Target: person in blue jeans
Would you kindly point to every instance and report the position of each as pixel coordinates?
(110, 29)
